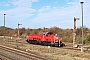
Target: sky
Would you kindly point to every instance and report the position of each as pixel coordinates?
(44, 13)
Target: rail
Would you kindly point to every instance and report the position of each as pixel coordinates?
(24, 54)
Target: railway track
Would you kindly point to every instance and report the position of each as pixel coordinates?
(14, 54)
(68, 46)
(47, 52)
(3, 57)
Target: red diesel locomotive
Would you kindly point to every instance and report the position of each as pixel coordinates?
(46, 38)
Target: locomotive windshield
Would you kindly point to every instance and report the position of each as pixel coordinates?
(47, 33)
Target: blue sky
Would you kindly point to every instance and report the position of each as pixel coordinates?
(43, 13)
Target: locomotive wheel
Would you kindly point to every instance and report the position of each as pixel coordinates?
(62, 44)
(44, 43)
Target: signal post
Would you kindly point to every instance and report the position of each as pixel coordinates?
(74, 32)
(18, 30)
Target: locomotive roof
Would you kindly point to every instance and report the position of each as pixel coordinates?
(50, 33)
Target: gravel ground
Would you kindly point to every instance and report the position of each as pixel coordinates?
(57, 53)
(53, 52)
